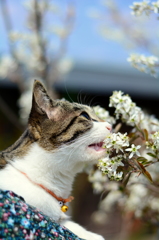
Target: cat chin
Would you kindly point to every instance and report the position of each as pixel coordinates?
(94, 155)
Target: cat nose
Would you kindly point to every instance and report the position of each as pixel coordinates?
(109, 127)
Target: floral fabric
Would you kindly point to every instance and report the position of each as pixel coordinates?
(18, 221)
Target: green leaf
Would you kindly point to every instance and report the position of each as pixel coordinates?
(144, 171)
(142, 159)
(151, 154)
(148, 176)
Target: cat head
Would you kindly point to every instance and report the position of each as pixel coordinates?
(71, 129)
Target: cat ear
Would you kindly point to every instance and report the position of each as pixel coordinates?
(42, 103)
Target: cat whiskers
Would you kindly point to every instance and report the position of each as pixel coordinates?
(79, 97)
(68, 92)
(80, 142)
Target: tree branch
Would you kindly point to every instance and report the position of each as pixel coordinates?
(9, 27)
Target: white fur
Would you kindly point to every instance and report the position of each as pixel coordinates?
(56, 171)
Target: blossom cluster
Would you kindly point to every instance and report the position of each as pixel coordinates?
(130, 153)
(109, 167)
(124, 150)
(98, 180)
(103, 114)
(138, 8)
(118, 144)
(126, 108)
(7, 66)
(153, 144)
(143, 63)
(116, 141)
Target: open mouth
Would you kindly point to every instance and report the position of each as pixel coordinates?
(97, 146)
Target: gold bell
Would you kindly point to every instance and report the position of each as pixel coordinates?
(64, 208)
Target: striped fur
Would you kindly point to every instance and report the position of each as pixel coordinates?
(50, 131)
(60, 139)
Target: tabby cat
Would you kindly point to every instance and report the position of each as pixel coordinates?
(60, 139)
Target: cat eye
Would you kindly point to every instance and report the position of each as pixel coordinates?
(84, 114)
(94, 120)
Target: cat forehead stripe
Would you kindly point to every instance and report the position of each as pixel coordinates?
(66, 128)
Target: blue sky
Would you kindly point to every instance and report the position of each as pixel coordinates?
(90, 46)
(85, 44)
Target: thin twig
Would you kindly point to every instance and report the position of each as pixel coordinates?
(38, 17)
(68, 24)
(9, 27)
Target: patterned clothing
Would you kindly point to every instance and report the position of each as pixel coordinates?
(18, 221)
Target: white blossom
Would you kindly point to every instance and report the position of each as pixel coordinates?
(119, 98)
(117, 176)
(7, 66)
(154, 203)
(150, 122)
(116, 141)
(143, 63)
(110, 200)
(153, 143)
(109, 166)
(133, 150)
(25, 105)
(97, 179)
(155, 6)
(155, 138)
(139, 8)
(126, 109)
(42, 6)
(64, 66)
(137, 199)
(103, 114)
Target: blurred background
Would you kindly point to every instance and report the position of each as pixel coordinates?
(79, 49)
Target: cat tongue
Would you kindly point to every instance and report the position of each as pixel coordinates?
(97, 146)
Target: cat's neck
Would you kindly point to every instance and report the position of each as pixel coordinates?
(19, 149)
(50, 169)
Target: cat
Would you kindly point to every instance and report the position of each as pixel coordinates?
(60, 139)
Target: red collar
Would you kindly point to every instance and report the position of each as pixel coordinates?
(64, 200)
